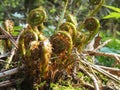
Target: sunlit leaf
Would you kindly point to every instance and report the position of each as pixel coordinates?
(113, 8)
(112, 15)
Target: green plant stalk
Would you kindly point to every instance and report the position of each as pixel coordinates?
(91, 36)
(62, 15)
(96, 9)
(92, 13)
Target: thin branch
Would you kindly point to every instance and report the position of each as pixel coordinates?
(4, 55)
(13, 51)
(102, 45)
(10, 58)
(86, 62)
(92, 13)
(114, 71)
(10, 72)
(5, 37)
(62, 15)
(115, 56)
(9, 82)
(91, 76)
(9, 37)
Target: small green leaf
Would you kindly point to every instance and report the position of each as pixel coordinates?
(112, 15)
(112, 8)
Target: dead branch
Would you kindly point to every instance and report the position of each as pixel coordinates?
(115, 56)
(10, 72)
(91, 76)
(114, 71)
(13, 51)
(5, 37)
(86, 62)
(5, 55)
(7, 83)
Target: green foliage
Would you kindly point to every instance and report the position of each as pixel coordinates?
(105, 61)
(59, 87)
(17, 30)
(115, 14)
(111, 47)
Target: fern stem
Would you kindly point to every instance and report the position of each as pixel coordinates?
(96, 9)
(62, 15)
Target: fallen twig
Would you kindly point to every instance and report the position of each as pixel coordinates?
(4, 55)
(13, 51)
(114, 71)
(5, 37)
(10, 72)
(86, 62)
(92, 77)
(115, 56)
(9, 82)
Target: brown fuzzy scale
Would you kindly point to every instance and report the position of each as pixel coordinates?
(35, 53)
(41, 54)
(61, 42)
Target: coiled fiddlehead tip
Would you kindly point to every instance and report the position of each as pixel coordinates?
(91, 24)
(26, 37)
(70, 28)
(36, 16)
(61, 42)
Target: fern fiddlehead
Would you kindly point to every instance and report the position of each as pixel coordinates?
(61, 42)
(92, 25)
(36, 16)
(34, 46)
(70, 28)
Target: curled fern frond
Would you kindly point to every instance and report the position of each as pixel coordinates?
(26, 37)
(36, 16)
(91, 24)
(70, 28)
(35, 52)
(61, 42)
